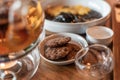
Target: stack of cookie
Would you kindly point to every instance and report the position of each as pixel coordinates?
(59, 48)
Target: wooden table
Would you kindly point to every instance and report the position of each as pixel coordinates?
(47, 71)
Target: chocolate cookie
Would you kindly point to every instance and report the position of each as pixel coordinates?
(57, 42)
(57, 53)
(74, 50)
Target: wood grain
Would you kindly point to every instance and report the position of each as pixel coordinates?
(116, 41)
(47, 71)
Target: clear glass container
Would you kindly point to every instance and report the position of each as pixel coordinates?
(21, 69)
(21, 23)
(21, 30)
(94, 62)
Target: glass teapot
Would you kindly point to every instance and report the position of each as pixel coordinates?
(21, 29)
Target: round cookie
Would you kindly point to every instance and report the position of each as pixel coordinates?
(74, 50)
(57, 42)
(57, 53)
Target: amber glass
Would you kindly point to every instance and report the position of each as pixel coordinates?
(21, 30)
(21, 23)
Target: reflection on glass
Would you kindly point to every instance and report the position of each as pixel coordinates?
(21, 23)
(94, 62)
(21, 29)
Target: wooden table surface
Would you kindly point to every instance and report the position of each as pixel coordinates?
(47, 71)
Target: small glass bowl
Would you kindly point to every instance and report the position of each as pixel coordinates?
(94, 62)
